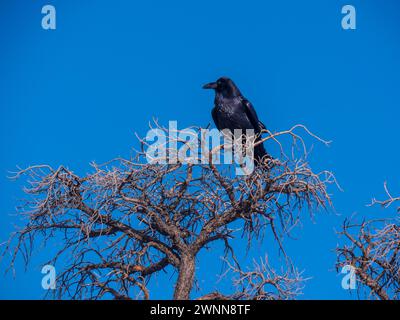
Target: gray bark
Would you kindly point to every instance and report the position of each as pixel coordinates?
(185, 278)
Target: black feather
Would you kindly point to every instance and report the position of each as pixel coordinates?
(233, 111)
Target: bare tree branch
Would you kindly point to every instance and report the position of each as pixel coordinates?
(128, 219)
(372, 248)
(261, 283)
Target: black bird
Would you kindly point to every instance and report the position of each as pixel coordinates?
(233, 111)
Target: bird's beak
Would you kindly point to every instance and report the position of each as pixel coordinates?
(211, 85)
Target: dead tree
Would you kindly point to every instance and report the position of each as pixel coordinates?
(128, 220)
(372, 248)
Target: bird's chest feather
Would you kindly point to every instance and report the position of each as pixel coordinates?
(229, 108)
(232, 116)
(227, 111)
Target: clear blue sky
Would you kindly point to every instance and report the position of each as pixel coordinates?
(78, 94)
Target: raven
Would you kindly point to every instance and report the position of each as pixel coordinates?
(233, 111)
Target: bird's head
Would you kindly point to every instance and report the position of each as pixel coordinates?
(224, 86)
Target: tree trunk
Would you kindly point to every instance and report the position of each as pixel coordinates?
(185, 278)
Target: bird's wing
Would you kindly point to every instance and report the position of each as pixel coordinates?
(252, 115)
(215, 117)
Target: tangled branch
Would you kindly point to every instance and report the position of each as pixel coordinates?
(261, 283)
(128, 220)
(373, 248)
